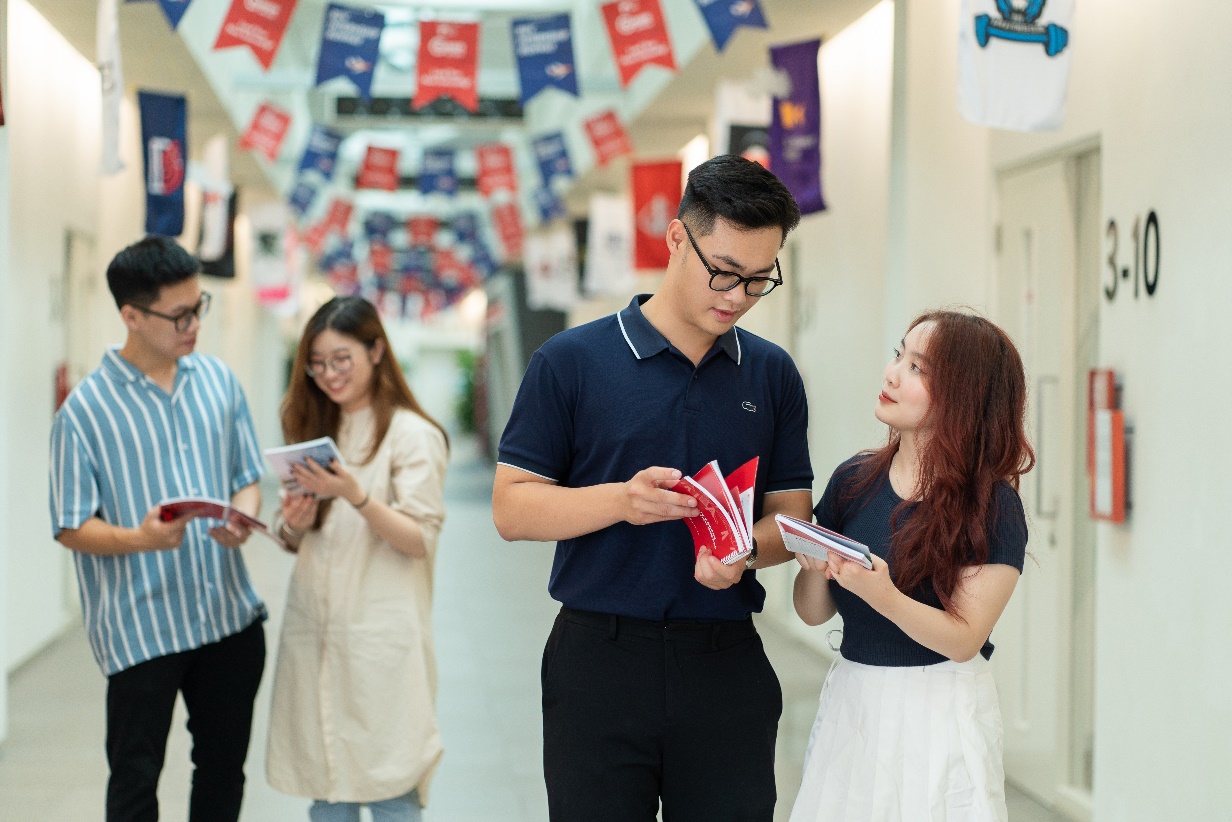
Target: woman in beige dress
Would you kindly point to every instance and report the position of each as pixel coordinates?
(353, 720)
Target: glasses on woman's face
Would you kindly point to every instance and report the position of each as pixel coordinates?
(341, 363)
(182, 320)
(721, 280)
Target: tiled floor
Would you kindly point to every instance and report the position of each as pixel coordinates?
(492, 615)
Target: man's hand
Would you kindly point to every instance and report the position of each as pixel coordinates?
(647, 498)
(231, 535)
(712, 573)
(156, 535)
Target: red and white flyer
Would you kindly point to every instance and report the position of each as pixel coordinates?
(724, 523)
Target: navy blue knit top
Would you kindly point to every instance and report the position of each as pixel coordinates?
(868, 637)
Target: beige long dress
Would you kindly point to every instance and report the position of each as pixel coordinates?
(353, 717)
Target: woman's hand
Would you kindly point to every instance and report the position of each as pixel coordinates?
(299, 511)
(813, 564)
(334, 481)
(874, 587)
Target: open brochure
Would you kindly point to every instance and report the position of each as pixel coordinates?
(322, 451)
(802, 537)
(725, 504)
(207, 508)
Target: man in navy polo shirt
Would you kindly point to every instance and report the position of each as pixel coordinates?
(655, 684)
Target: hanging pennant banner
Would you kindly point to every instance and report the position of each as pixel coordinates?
(381, 258)
(258, 24)
(164, 121)
(339, 215)
(350, 42)
(609, 247)
(656, 194)
(301, 198)
(550, 206)
(795, 125)
(437, 175)
(448, 64)
(271, 271)
(725, 16)
(507, 220)
(266, 131)
(543, 47)
(553, 157)
(321, 152)
(608, 136)
(173, 10)
(112, 77)
(1013, 64)
(496, 172)
(379, 225)
(422, 229)
(550, 262)
(379, 169)
(639, 37)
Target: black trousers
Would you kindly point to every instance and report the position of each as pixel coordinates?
(219, 683)
(636, 712)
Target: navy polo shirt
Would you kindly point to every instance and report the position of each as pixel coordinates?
(605, 400)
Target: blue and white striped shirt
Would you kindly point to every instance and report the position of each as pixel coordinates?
(119, 446)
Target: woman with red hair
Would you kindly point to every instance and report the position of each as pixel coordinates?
(909, 726)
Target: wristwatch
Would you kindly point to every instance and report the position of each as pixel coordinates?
(751, 559)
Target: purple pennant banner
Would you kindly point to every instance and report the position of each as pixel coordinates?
(350, 41)
(795, 125)
(725, 16)
(553, 157)
(544, 50)
(173, 10)
(164, 121)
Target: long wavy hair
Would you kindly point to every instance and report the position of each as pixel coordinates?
(307, 413)
(974, 436)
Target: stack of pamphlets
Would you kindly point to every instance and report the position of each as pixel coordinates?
(322, 451)
(207, 508)
(724, 523)
(802, 537)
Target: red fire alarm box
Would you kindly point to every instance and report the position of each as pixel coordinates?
(1106, 452)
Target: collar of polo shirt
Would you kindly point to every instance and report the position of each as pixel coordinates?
(645, 340)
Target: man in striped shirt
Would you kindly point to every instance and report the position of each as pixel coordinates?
(168, 606)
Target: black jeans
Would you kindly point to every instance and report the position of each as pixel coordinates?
(636, 712)
(219, 683)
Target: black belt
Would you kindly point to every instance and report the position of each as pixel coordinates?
(676, 630)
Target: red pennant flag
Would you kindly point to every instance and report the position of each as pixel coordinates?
(496, 172)
(448, 64)
(266, 131)
(422, 229)
(379, 169)
(656, 195)
(258, 24)
(314, 237)
(338, 215)
(608, 137)
(382, 258)
(508, 222)
(639, 37)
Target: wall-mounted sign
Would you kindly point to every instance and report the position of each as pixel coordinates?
(1145, 273)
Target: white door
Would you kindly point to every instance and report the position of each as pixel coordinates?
(1043, 687)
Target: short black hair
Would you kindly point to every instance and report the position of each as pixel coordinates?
(740, 191)
(138, 273)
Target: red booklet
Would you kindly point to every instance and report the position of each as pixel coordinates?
(725, 521)
(207, 508)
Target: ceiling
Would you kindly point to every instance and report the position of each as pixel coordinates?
(662, 110)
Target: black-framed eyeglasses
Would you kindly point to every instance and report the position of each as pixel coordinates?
(183, 320)
(721, 280)
(342, 363)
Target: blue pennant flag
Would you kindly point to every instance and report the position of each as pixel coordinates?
(553, 157)
(550, 205)
(725, 16)
(466, 226)
(543, 47)
(173, 10)
(437, 175)
(350, 39)
(378, 225)
(322, 151)
(301, 198)
(164, 138)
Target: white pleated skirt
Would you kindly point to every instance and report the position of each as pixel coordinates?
(918, 744)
